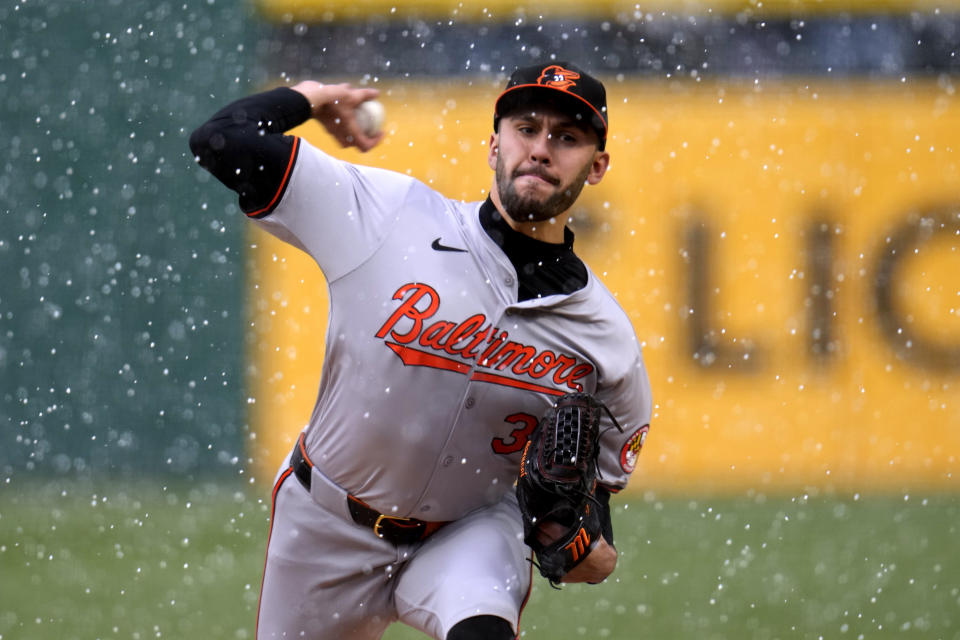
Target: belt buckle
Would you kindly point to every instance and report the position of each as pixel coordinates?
(381, 517)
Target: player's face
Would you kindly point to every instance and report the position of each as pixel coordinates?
(542, 160)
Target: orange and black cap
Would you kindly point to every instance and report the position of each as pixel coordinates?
(560, 84)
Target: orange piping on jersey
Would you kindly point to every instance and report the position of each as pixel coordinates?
(273, 511)
(524, 603)
(303, 449)
(283, 183)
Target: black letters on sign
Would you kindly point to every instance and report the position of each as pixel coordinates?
(910, 236)
(820, 293)
(705, 347)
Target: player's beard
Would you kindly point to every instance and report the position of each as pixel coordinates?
(523, 208)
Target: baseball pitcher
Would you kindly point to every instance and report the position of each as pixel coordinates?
(482, 394)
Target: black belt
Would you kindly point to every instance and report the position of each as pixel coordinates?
(392, 529)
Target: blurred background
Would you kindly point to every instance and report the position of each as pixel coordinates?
(781, 222)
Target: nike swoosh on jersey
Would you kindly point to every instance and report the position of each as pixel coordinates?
(436, 246)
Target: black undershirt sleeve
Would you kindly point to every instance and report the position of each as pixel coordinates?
(243, 145)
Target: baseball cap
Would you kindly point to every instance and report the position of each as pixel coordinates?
(561, 84)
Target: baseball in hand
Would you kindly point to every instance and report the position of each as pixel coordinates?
(369, 117)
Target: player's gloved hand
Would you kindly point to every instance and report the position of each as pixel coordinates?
(335, 107)
(556, 492)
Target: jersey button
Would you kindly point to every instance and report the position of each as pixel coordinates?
(508, 281)
(447, 461)
(470, 402)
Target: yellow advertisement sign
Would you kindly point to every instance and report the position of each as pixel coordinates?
(789, 255)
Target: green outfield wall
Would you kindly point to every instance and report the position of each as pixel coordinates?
(121, 293)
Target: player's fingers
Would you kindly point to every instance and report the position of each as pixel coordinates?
(346, 139)
(341, 97)
(351, 136)
(366, 143)
(368, 94)
(351, 97)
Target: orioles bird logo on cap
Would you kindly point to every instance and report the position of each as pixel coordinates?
(557, 77)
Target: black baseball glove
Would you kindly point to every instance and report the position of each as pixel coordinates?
(558, 483)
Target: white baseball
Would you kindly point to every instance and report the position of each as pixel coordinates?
(369, 116)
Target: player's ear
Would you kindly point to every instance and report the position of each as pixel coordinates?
(494, 148)
(601, 162)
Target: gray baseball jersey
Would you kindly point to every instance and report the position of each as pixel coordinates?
(434, 376)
